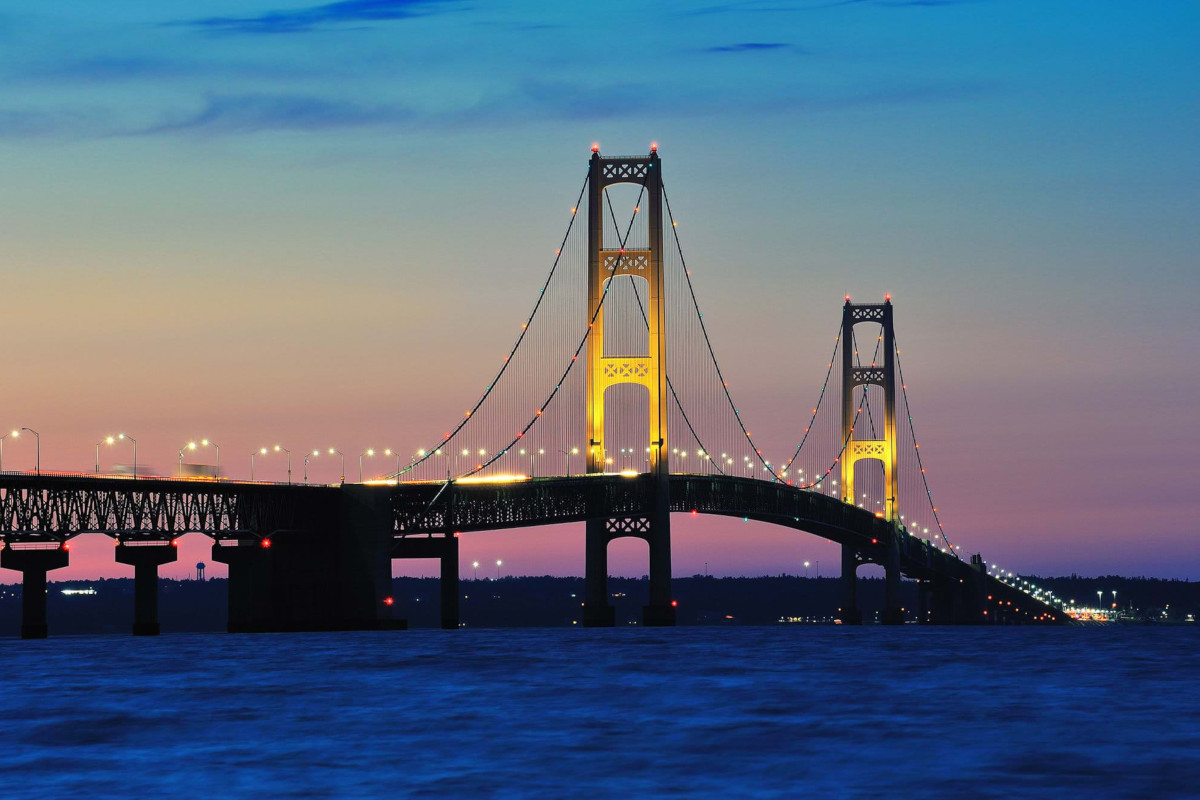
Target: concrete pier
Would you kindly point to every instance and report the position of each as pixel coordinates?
(33, 564)
(145, 560)
(597, 613)
(445, 549)
(851, 614)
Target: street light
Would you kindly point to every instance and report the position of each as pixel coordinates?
(498, 563)
(806, 569)
(475, 564)
(390, 452)
(573, 451)
(280, 449)
(369, 453)
(110, 441)
(333, 450)
(206, 443)
(16, 435)
(315, 453)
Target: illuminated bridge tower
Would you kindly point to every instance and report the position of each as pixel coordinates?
(647, 369)
(883, 375)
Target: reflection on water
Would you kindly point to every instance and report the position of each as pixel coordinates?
(749, 712)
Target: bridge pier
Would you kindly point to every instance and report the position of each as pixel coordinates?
(893, 613)
(449, 584)
(145, 560)
(851, 614)
(597, 613)
(250, 606)
(923, 602)
(445, 549)
(33, 564)
(660, 612)
(656, 532)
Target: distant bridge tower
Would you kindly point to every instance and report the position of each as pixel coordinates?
(607, 261)
(882, 373)
(877, 374)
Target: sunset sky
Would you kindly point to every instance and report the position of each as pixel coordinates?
(260, 222)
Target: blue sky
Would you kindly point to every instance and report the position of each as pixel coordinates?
(250, 190)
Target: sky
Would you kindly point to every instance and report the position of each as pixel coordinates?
(277, 221)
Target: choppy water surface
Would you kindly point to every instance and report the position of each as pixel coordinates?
(743, 712)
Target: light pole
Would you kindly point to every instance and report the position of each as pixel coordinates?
(389, 452)
(369, 453)
(279, 449)
(806, 569)
(1114, 598)
(216, 469)
(111, 440)
(217, 448)
(475, 564)
(17, 435)
(333, 450)
(315, 453)
(1100, 598)
(498, 563)
(568, 454)
(262, 450)
(98, 455)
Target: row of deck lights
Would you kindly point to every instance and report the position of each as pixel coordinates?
(1020, 584)
(625, 453)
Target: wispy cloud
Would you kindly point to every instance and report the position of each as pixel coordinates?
(312, 18)
(123, 69)
(748, 47)
(776, 6)
(250, 113)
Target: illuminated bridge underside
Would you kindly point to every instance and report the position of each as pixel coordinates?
(482, 507)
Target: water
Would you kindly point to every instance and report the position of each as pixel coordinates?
(688, 712)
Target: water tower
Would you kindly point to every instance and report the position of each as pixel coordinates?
(200, 571)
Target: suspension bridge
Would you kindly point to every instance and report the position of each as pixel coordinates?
(611, 409)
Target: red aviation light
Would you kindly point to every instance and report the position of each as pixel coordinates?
(595, 147)
(387, 601)
(265, 544)
(654, 147)
(887, 298)
(674, 604)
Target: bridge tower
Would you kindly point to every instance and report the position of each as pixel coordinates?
(882, 374)
(607, 261)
